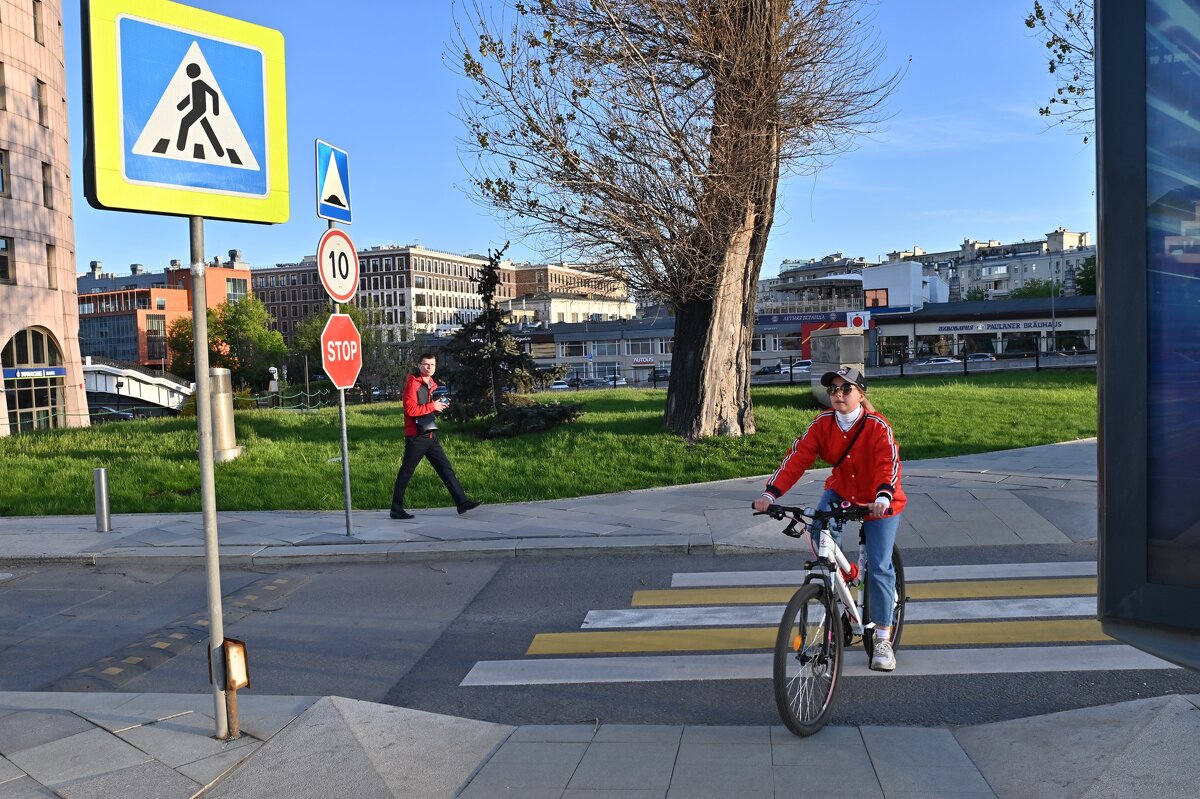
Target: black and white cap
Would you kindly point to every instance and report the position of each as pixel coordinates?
(847, 373)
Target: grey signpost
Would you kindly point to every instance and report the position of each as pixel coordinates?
(186, 115)
(337, 264)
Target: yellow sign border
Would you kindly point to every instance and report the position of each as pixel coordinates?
(108, 189)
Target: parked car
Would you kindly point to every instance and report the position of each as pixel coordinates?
(594, 382)
(575, 382)
(796, 368)
(768, 370)
(105, 413)
(938, 360)
(559, 385)
(980, 356)
(619, 381)
(660, 374)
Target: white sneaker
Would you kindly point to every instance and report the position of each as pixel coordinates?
(883, 658)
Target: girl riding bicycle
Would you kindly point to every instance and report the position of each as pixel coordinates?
(859, 443)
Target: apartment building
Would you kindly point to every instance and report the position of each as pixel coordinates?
(42, 374)
(995, 269)
(408, 289)
(127, 317)
(567, 279)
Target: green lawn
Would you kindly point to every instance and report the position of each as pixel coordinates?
(618, 444)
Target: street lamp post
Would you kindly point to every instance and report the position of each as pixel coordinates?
(119, 384)
(1053, 328)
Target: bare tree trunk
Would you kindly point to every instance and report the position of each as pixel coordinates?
(710, 360)
(710, 395)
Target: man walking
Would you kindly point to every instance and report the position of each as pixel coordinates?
(420, 438)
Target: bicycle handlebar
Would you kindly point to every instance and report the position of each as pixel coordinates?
(846, 512)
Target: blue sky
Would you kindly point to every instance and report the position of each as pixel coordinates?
(963, 153)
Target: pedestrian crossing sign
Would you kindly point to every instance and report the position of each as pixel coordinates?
(186, 112)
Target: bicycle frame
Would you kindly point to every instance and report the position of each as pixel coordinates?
(833, 563)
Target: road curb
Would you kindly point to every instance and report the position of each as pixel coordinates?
(73, 559)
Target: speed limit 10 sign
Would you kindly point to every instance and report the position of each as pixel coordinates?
(337, 264)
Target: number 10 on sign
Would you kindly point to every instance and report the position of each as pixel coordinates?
(337, 264)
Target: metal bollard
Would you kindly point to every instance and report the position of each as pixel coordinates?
(100, 482)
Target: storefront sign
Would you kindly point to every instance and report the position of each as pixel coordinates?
(983, 326)
(832, 316)
(28, 373)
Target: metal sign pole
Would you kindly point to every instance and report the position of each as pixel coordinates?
(345, 455)
(345, 444)
(208, 491)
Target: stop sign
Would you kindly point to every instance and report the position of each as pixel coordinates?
(341, 350)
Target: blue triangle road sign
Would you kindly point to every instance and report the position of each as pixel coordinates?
(333, 183)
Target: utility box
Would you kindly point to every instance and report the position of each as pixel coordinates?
(839, 346)
(225, 446)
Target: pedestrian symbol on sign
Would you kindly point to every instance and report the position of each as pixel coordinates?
(193, 121)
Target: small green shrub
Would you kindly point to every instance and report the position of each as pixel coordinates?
(517, 419)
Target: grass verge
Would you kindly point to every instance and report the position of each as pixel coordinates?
(617, 445)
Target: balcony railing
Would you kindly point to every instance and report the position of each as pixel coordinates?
(816, 305)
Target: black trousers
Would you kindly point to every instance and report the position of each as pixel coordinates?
(426, 446)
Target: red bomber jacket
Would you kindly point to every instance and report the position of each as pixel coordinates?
(413, 406)
(871, 468)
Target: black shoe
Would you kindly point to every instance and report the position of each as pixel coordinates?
(470, 504)
(402, 514)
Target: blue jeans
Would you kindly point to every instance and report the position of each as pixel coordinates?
(881, 537)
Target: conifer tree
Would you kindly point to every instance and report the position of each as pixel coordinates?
(488, 363)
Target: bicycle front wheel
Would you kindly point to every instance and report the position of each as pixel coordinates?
(897, 608)
(808, 660)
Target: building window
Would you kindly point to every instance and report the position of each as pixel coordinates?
(39, 35)
(3, 172)
(156, 338)
(641, 346)
(43, 112)
(51, 272)
(876, 298)
(605, 348)
(235, 289)
(572, 349)
(47, 185)
(7, 271)
(34, 403)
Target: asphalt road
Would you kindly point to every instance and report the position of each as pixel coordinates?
(409, 633)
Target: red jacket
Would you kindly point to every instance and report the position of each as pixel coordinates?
(413, 406)
(870, 470)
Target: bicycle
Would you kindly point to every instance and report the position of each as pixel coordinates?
(824, 616)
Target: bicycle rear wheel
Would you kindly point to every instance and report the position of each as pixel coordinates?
(808, 660)
(897, 609)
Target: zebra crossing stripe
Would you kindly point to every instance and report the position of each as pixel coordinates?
(731, 638)
(712, 615)
(757, 666)
(762, 615)
(956, 589)
(914, 574)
